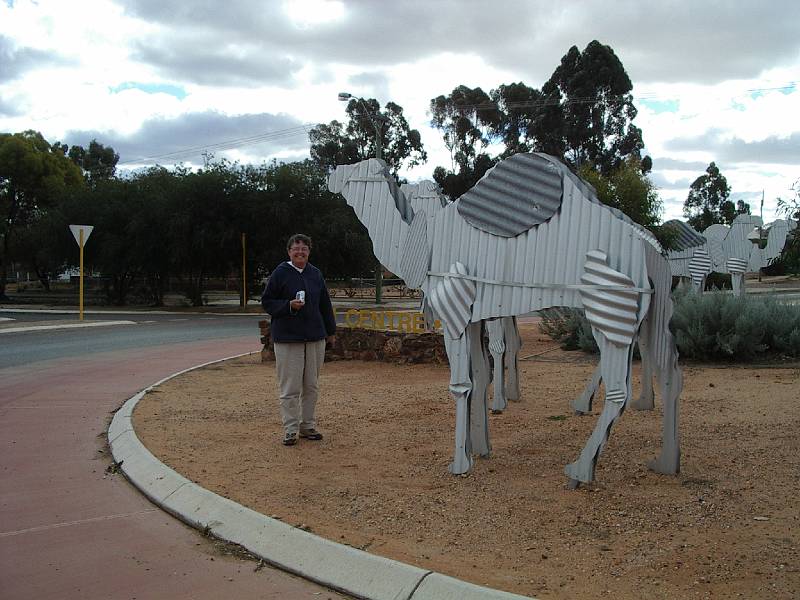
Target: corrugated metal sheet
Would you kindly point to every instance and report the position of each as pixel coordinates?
(519, 193)
(415, 252)
(365, 187)
(550, 256)
(777, 234)
(513, 343)
(715, 236)
(591, 194)
(613, 313)
(452, 299)
(699, 266)
(479, 398)
(736, 265)
(424, 195)
(685, 236)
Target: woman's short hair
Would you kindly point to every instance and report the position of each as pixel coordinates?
(298, 238)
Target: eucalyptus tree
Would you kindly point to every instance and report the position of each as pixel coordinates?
(33, 177)
(467, 118)
(587, 110)
(708, 203)
(368, 127)
(98, 162)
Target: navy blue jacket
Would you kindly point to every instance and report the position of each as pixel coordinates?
(313, 322)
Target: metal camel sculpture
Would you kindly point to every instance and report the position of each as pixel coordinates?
(528, 236)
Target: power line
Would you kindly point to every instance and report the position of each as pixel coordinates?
(224, 145)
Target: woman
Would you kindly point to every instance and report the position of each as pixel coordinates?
(302, 319)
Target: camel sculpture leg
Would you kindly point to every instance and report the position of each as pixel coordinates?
(480, 374)
(669, 461)
(615, 366)
(582, 405)
(460, 389)
(497, 348)
(737, 283)
(646, 400)
(513, 343)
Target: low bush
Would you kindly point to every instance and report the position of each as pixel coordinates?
(569, 327)
(720, 326)
(714, 326)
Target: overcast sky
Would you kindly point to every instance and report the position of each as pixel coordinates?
(163, 80)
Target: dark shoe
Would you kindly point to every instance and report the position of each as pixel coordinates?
(311, 434)
(290, 439)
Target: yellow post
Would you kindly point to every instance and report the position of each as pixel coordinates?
(244, 272)
(80, 272)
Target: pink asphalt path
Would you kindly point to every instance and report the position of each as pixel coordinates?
(68, 530)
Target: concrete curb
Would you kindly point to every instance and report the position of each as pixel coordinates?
(334, 565)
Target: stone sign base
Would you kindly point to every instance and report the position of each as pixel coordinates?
(354, 343)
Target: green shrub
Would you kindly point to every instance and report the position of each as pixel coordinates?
(569, 327)
(714, 326)
(720, 326)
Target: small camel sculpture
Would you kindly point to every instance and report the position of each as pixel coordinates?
(732, 251)
(722, 249)
(528, 236)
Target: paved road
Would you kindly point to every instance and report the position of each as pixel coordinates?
(145, 330)
(68, 529)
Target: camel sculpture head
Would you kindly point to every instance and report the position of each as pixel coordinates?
(372, 170)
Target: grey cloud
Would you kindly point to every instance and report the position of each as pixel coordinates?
(662, 183)
(668, 41)
(201, 60)
(185, 138)
(372, 84)
(16, 61)
(7, 109)
(772, 150)
(673, 164)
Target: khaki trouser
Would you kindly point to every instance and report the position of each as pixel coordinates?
(298, 365)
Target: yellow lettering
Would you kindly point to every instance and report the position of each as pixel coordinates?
(404, 322)
(418, 323)
(377, 319)
(353, 312)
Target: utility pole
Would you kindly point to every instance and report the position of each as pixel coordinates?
(761, 230)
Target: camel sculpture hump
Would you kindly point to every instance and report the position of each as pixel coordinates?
(517, 194)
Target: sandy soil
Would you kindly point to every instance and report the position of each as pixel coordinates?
(728, 526)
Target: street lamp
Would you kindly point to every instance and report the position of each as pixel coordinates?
(344, 97)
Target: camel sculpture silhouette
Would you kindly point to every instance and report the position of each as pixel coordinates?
(726, 249)
(529, 235)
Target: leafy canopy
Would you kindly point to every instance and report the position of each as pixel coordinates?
(367, 127)
(708, 202)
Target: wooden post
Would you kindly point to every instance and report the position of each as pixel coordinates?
(244, 272)
(80, 273)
